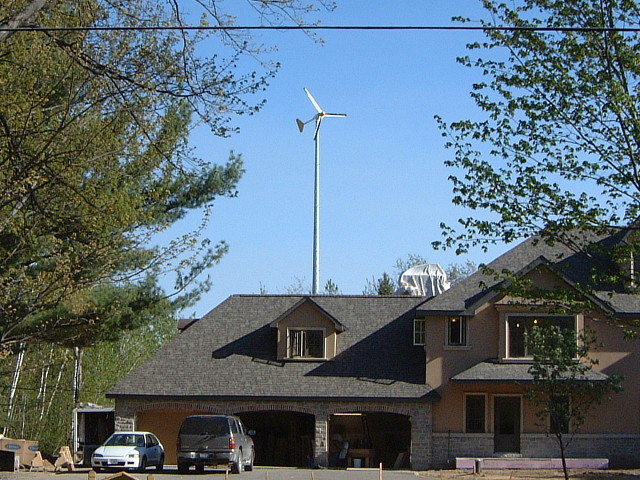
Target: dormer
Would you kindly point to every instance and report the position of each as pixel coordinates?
(307, 332)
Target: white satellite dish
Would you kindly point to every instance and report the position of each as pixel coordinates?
(316, 204)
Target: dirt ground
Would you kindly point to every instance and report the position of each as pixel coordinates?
(533, 474)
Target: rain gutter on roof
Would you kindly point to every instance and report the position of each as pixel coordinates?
(431, 396)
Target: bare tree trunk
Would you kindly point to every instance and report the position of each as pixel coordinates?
(25, 17)
(44, 378)
(77, 374)
(14, 385)
(563, 456)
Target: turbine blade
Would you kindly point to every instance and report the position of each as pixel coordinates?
(335, 115)
(317, 131)
(313, 100)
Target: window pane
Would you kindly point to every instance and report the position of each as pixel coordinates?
(315, 344)
(560, 414)
(419, 331)
(475, 413)
(306, 344)
(295, 343)
(457, 331)
(520, 325)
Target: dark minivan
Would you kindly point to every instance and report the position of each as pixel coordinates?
(214, 440)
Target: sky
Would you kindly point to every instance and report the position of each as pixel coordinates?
(384, 188)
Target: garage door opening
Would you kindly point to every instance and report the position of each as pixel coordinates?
(282, 439)
(368, 439)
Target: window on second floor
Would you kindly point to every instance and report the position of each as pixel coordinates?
(520, 325)
(306, 343)
(419, 331)
(457, 331)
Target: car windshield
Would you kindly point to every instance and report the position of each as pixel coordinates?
(205, 426)
(125, 440)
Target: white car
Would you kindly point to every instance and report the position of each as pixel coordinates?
(129, 451)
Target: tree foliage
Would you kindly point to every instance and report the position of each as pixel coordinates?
(95, 161)
(562, 389)
(555, 148)
(43, 399)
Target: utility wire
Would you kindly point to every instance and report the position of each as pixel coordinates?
(39, 28)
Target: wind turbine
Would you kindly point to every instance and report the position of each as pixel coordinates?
(316, 191)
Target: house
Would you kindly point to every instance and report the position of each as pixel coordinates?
(407, 381)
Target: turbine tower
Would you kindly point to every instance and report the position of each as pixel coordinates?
(316, 190)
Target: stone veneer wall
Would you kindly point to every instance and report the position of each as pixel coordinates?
(420, 413)
(621, 450)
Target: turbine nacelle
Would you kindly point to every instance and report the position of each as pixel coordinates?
(317, 117)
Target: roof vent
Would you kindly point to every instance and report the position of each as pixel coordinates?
(427, 280)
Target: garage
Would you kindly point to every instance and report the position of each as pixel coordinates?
(366, 439)
(165, 424)
(281, 439)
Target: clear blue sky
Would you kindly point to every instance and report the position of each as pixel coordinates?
(384, 187)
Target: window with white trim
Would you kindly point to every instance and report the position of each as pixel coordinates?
(306, 343)
(419, 331)
(457, 331)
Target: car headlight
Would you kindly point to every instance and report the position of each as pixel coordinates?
(97, 455)
(133, 455)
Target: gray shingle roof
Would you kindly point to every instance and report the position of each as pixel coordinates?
(231, 352)
(493, 371)
(575, 267)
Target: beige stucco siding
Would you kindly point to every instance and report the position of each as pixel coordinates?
(307, 316)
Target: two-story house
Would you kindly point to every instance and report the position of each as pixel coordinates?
(407, 381)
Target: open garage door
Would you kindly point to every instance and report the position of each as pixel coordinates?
(281, 439)
(366, 439)
(165, 424)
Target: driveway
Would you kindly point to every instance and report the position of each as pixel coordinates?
(259, 473)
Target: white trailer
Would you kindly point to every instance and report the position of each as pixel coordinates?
(92, 425)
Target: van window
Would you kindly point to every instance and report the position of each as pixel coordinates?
(205, 426)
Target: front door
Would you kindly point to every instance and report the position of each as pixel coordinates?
(506, 424)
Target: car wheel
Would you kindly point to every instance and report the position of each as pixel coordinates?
(183, 467)
(238, 465)
(97, 469)
(143, 465)
(160, 465)
(249, 466)
(200, 468)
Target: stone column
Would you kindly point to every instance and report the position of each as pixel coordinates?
(421, 437)
(125, 417)
(321, 447)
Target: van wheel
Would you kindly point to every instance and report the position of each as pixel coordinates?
(183, 468)
(238, 466)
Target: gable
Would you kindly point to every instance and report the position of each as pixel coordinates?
(306, 319)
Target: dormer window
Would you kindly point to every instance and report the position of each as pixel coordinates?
(307, 332)
(307, 343)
